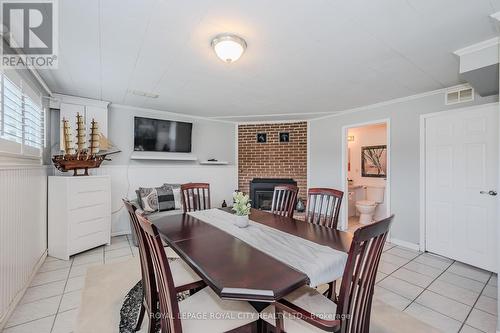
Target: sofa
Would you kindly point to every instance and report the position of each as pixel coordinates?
(152, 217)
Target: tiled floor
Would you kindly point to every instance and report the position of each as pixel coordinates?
(353, 223)
(448, 295)
(51, 303)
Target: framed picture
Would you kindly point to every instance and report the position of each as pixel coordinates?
(261, 137)
(284, 137)
(374, 161)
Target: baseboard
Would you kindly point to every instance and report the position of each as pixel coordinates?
(5, 318)
(409, 245)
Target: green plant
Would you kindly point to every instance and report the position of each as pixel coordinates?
(241, 204)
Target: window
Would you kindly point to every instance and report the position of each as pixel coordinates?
(22, 118)
(12, 111)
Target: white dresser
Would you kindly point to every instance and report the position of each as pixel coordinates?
(79, 214)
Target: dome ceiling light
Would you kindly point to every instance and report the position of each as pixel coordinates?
(228, 47)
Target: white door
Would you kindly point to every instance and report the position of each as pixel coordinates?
(461, 151)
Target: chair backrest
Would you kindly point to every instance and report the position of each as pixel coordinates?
(284, 200)
(147, 270)
(169, 307)
(356, 291)
(195, 196)
(323, 206)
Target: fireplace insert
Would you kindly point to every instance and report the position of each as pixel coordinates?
(261, 191)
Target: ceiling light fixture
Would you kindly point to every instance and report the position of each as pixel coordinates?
(228, 47)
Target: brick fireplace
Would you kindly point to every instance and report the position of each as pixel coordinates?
(273, 159)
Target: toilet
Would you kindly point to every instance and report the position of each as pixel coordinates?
(366, 208)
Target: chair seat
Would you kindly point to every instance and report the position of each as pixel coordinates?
(308, 299)
(206, 312)
(182, 273)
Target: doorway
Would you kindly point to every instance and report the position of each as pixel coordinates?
(366, 173)
(459, 184)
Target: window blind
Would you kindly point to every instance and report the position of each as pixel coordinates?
(22, 117)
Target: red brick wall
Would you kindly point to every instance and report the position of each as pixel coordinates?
(273, 159)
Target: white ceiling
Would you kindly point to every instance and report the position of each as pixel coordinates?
(304, 57)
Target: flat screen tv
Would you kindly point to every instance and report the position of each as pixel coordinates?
(162, 135)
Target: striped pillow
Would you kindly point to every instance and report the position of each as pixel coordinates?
(156, 199)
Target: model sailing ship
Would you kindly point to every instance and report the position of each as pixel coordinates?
(83, 157)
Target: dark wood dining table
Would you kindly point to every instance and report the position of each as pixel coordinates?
(236, 270)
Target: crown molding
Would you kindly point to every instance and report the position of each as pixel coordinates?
(57, 99)
(263, 122)
(478, 46)
(328, 114)
(184, 115)
(392, 101)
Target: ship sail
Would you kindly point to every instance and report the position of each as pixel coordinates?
(80, 133)
(94, 138)
(67, 144)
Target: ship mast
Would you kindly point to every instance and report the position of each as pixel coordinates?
(80, 134)
(68, 149)
(94, 138)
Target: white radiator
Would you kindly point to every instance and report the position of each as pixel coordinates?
(23, 230)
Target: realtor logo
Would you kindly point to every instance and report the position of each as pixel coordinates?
(30, 33)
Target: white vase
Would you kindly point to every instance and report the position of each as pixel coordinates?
(241, 221)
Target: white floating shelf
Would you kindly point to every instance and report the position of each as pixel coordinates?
(214, 162)
(147, 155)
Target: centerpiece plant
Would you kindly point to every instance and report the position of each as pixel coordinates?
(241, 207)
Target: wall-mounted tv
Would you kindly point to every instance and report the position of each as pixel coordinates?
(162, 135)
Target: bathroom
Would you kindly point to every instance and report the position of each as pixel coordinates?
(367, 159)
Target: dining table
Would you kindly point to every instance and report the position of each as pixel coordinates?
(235, 269)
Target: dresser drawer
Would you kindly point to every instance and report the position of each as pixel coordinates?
(83, 194)
(79, 214)
(88, 227)
(86, 242)
(88, 213)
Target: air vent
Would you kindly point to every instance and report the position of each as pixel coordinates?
(460, 95)
(144, 94)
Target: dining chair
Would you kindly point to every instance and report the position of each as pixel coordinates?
(284, 200)
(310, 311)
(202, 312)
(184, 277)
(195, 196)
(323, 206)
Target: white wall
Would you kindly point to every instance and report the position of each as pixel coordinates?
(326, 153)
(23, 231)
(126, 179)
(210, 139)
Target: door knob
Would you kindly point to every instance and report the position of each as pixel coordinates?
(492, 193)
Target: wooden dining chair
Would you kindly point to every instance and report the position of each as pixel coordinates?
(184, 277)
(284, 200)
(194, 314)
(351, 313)
(323, 206)
(195, 196)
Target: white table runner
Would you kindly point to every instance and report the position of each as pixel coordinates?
(320, 263)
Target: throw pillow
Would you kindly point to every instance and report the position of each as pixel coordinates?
(176, 189)
(156, 199)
